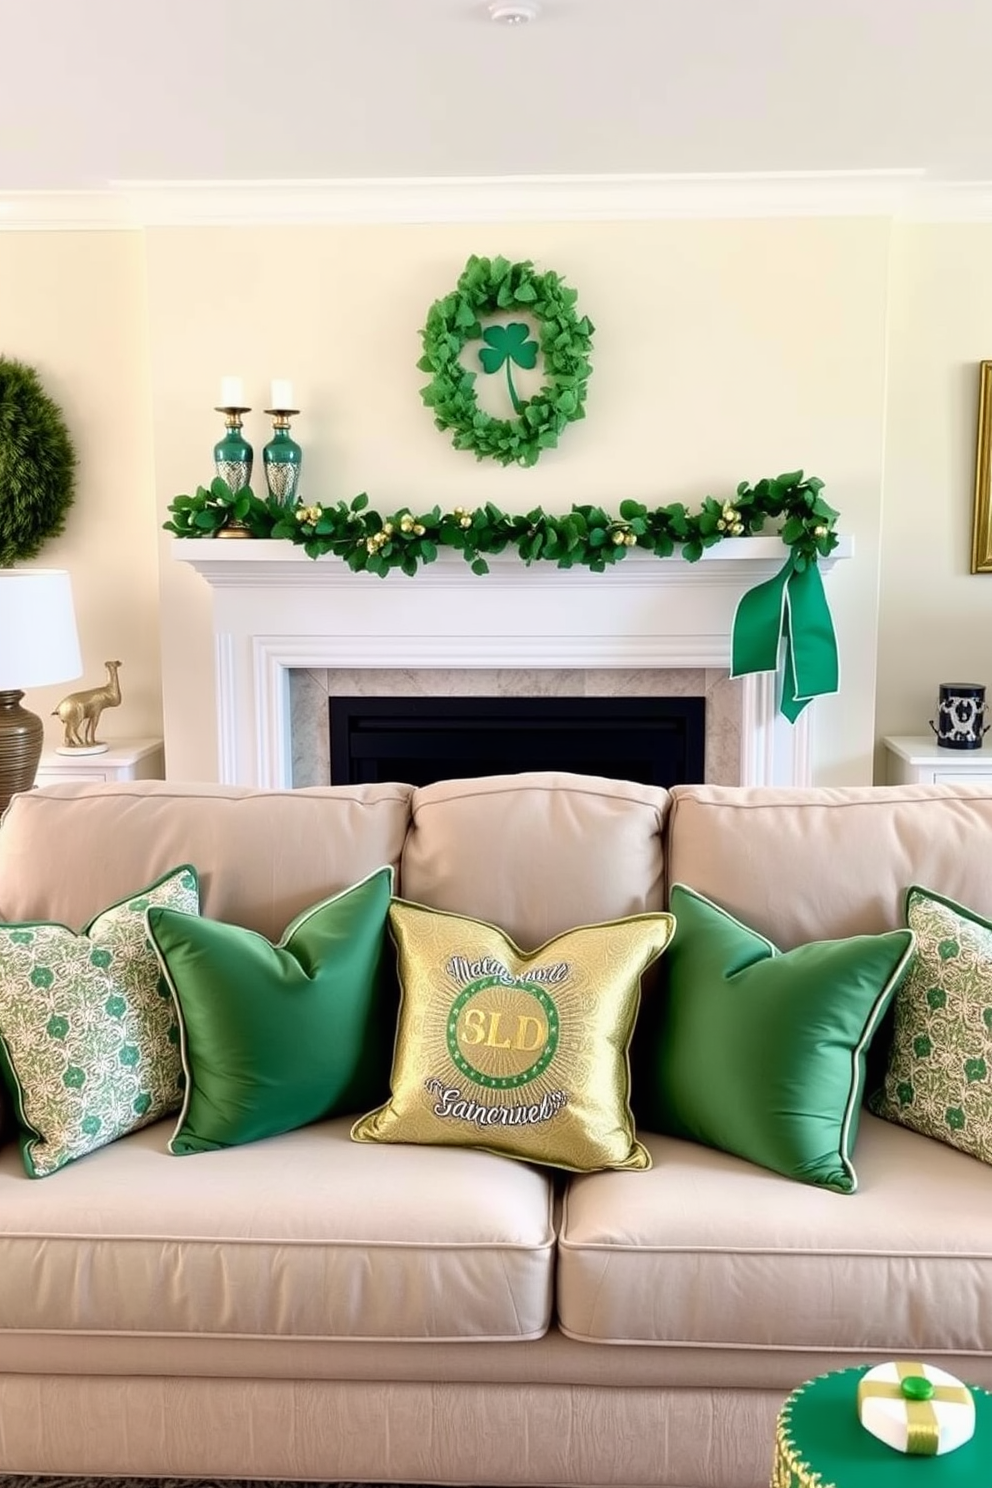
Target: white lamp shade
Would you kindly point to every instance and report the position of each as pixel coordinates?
(38, 639)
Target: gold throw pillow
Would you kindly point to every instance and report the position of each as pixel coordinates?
(519, 1053)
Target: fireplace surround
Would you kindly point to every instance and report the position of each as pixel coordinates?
(276, 611)
(310, 692)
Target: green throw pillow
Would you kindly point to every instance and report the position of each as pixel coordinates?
(274, 1037)
(89, 1045)
(761, 1052)
(940, 1060)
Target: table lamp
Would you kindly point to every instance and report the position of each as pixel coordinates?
(38, 646)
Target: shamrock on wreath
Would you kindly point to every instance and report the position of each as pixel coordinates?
(509, 344)
(490, 287)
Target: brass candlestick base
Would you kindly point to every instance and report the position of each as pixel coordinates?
(22, 734)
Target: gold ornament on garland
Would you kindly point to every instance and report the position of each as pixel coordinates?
(494, 287)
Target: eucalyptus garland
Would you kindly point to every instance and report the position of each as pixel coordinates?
(37, 464)
(491, 287)
(586, 536)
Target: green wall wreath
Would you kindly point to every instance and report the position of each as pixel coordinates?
(37, 464)
(489, 287)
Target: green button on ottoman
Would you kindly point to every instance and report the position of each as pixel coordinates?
(820, 1443)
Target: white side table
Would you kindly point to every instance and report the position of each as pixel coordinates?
(920, 760)
(129, 759)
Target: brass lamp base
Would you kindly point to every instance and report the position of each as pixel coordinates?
(22, 734)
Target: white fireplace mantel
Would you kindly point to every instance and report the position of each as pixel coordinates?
(276, 609)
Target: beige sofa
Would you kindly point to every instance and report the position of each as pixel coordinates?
(306, 1307)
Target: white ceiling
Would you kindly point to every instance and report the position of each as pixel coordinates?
(94, 92)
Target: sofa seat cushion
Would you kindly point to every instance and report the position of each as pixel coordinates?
(710, 1250)
(305, 1235)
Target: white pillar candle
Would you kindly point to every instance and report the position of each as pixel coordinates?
(282, 393)
(232, 392)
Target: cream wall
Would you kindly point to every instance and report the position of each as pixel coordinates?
(936, 616)
(724, 351)
(72, 306)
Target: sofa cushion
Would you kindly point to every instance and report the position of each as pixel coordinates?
(520, 1053)
(274, 1037)
(536, 853)
(939, 1075)
(88, 1040)
(303, 1236)
(707, 1249)
(759, 1052)
(263, 856)
(800, 864)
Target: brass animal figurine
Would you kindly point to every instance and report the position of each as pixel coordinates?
(80, 711)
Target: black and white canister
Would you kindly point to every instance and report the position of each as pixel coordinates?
(960, 722)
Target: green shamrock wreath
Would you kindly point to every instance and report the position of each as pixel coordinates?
(490, 287)
(37, 464)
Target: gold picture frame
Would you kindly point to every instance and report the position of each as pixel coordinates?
(981, 532)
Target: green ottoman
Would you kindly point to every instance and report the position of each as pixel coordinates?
(820, 1443)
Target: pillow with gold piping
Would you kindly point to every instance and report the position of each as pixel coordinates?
(521, 1053)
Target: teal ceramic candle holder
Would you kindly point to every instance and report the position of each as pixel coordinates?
(233, 455)
(282, 458)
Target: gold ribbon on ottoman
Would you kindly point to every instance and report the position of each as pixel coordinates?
(840, 1429)
(903, 1411)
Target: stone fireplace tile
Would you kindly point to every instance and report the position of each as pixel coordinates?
(410, 682)
(645, 682)
(310, 728)
(723, 730)
(540, 682)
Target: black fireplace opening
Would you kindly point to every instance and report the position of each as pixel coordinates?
(657, 741)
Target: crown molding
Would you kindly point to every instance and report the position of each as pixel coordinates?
(613, 198)
(64, 211)
(904, 195)
(950, 201)
(602, 198)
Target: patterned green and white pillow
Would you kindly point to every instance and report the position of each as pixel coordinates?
(89, 1044)
(938, 1079)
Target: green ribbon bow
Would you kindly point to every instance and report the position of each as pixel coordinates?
(791, 607)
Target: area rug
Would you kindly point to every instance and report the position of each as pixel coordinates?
(42, 1482)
